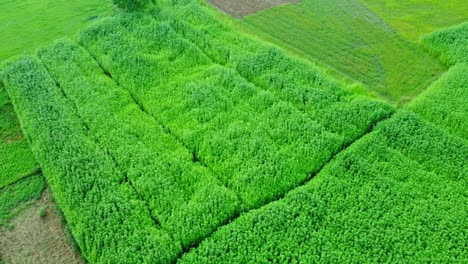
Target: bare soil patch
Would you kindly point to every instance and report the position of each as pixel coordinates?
(241, 8)
(36, 239)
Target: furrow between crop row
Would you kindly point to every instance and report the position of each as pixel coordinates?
(306, 182)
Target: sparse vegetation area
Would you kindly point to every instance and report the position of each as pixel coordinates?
(167, 134)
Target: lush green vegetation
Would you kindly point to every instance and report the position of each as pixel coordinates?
(15, 197)
(132, 5)
(16, 162)
(451, 43)
(445, 103)
(182, 195)
(166, 135)
(16, 159)
(396, 195)
(108, 221)
(415, 18)
(260, 140)
(27, 25)
(346, 37)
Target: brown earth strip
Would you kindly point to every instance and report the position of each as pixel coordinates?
(241, 8)
(30, 238)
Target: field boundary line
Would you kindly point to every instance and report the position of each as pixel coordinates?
(195, 158)
(282, 196)
(36, 172)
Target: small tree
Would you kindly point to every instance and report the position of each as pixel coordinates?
(131, 5)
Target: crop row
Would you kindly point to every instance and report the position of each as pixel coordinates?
(183, 196)
(341, 110)
(107, 219)
(16, 158)
(254, 137)
(396, 195)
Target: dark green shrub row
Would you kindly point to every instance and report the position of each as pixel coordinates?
(184, 196)
(256, 140)
(107, 219)
(397, 195)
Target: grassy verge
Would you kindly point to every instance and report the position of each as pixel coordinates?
(26, 25)
(16, 197)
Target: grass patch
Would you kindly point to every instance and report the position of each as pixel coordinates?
(16, 162)
(415, 18)
(27, 25)
(16, 197)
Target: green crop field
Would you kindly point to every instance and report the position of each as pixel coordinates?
(351, 41)
(445, 103)
(166, 133)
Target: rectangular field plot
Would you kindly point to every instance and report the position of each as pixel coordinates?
(240, 8)
(350, 40)
(445, 102)
(255, 138)
(398, 194)
(183, 196)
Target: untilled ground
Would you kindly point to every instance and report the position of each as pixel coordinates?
(241, 8)
(30, 238)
